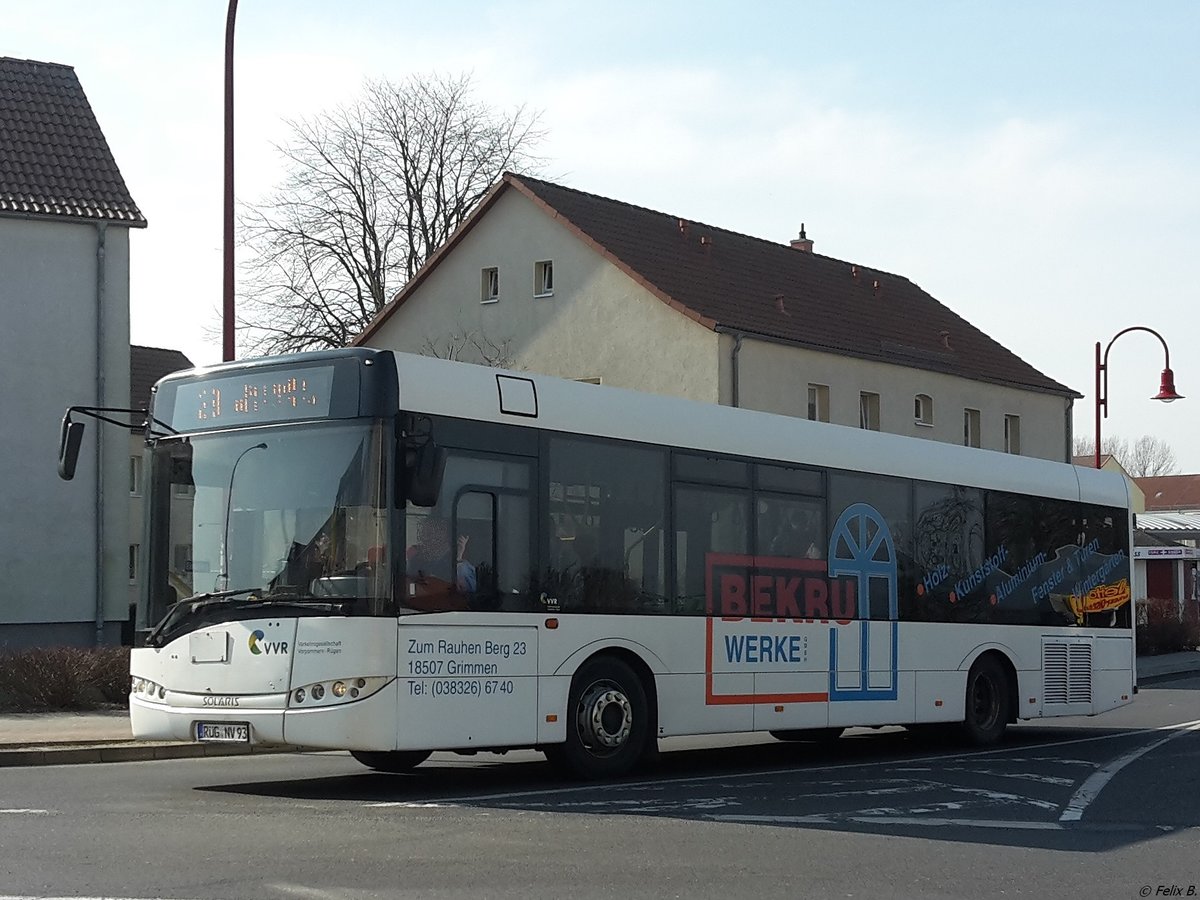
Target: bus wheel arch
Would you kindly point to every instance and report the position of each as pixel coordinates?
(991, 698)
(611, 716)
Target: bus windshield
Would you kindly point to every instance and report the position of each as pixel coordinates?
(290, 513)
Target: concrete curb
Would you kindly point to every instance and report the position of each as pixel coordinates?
(77, 753)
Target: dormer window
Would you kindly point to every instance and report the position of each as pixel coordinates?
(543, 278)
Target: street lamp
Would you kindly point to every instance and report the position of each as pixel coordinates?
(227, 349)
(1166, 387)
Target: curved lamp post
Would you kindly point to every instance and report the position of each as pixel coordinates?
(1166, 387)
(227, 349)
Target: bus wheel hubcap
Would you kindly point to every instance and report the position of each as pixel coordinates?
(605, 717)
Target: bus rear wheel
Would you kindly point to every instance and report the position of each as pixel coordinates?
(988, 703)
(811, 735)
(391, 760)
(608, 721)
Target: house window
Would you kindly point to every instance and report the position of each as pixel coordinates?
(489, 285)
(970, 428)
(868, 411)
(818, 403)
(1012, 434)
(133, 562)
(923, 409)
(543, 278)
(135, 476)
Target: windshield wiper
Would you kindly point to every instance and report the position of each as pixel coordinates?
(259, 599)
(190, 605)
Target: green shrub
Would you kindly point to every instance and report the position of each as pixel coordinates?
(63, 678)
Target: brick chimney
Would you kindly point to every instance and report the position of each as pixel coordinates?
(802, 242)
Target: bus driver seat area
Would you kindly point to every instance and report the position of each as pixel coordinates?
(432, 583)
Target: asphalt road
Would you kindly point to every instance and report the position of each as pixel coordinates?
(1104, 807)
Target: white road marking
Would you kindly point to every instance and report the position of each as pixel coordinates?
(662, 783)
(936, 822)
(1005, 798)
(890, 820)
(28, 812)
(1091, 788)
(1024, 776)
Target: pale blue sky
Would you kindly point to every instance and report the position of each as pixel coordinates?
(1032, 165)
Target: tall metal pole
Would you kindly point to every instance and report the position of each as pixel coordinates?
(1099, 401)
(227, 325)
(1166, 388)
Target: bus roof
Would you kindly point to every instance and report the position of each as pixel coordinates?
(467, 391)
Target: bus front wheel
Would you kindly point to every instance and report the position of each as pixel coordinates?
(608, 721)
(391, 760)
(988, 702)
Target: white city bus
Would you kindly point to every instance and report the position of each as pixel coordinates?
(393, 554)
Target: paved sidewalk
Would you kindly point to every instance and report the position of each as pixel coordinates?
(35, 739)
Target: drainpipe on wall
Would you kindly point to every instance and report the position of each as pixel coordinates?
(101, 400)
(1070, 448)
(735, 398)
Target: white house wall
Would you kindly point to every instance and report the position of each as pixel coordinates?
(775, 378)
(48, 362)
(599, 323)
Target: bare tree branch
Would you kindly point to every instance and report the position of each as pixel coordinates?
(371, 191)
(1149, 455)
(473, 347)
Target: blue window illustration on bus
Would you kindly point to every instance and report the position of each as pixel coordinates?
(861, 547)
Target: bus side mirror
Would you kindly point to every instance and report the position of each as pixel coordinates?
(424, 467)
(69, 439)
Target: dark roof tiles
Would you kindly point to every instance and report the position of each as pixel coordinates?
(146, 366)
(54, 160)
(742, 283)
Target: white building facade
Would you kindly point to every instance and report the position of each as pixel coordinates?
(65, 216)
(551, 280)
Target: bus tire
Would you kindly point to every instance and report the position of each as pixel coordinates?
(608, 721)
(391, 760)
(988, 703)
(811, 735)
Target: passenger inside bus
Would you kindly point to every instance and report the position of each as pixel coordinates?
(434, 581)
(798, 534)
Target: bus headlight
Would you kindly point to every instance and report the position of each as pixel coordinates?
(343, 690)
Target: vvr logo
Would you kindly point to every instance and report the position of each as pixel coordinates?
(266, 646)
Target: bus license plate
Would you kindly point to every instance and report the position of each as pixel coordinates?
(223, 732)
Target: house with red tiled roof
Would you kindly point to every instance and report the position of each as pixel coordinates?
(1173, 516)
(550, 279)
(1171, 493)
(65, 218)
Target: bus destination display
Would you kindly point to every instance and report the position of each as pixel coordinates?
(272, 395)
